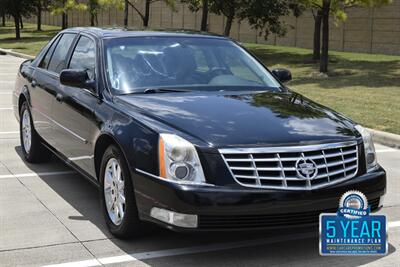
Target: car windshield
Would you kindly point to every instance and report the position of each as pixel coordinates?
(156, 64)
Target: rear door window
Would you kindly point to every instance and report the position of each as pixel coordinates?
(45, 61)
(59, 59)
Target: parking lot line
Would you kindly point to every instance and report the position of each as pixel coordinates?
(386, 150)
(394, 224)
(15, 132)
(6, 108)
(33, 174)
(182, 251)
(190, 250)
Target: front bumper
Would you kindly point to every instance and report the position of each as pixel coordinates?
(240, 208)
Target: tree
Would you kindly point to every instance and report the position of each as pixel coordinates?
(263, 15)
(41, 5)
(195, 6)
(3, 13)
(39, 8)
(95, 6)
(18, 9)
(3, 18)
(126, 12)
(204, 16)
(63, 6)
(322, 10)
(229, 9)
(147, 4)
(317, 15)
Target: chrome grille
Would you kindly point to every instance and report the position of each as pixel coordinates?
(278, 167)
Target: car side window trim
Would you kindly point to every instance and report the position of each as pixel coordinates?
(95, 78)
(69, 53)
(43, 52)
(96, 72)
(50, 50)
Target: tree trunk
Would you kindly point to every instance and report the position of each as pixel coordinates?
(92, 19)
(3, 19)
(92, 13)
(317, 36)
(64, 21)
(64, 17)
(146, 17)
(21, 22)
(39, 16)
(126, 14)
(323, 67)
(228, 25)
(17, 29)
(204, 16)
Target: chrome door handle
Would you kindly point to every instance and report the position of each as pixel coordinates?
(59, 97)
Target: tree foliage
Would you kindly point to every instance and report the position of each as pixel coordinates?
(96, 6)
(61, 7)
(262, 15)
(40, 6)
(265, 15)
(18, 9)
(195, 6)
(324, 9)
(145, 14)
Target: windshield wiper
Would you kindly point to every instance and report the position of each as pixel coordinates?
(164, 90)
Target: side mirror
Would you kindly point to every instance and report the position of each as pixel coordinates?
(282, 75)
(77, 78)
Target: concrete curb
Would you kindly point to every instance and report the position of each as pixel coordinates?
(384, 138)
(15, 54)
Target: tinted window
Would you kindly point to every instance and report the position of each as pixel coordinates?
(45, 62)
(135, 64)
(238, 65)
(201, 61)
(58, 61)
(84, 56)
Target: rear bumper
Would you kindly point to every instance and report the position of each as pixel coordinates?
(240, 208)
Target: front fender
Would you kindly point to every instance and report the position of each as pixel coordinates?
(138, 143)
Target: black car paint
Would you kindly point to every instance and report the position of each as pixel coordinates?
(76, 123)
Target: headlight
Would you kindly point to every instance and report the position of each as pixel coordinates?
(369, 148)
(178, 160)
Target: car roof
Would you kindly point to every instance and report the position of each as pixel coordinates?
(103, 33)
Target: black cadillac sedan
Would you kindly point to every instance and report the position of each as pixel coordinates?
(189, 131)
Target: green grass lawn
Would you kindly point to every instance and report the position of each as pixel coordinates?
(31, 40)
(364, 87)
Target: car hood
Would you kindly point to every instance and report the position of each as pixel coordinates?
(224, 119)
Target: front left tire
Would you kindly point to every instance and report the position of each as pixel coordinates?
(117, 196)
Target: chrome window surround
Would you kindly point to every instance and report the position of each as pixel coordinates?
(344, 154)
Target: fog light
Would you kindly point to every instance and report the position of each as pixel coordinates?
(381, 199)
(370, 158)
(174, 218)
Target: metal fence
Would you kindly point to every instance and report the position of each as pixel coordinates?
(369, 30)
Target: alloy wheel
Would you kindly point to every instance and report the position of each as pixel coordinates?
(26, 131)
(114, 194)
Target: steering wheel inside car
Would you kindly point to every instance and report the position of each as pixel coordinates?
(216, 71)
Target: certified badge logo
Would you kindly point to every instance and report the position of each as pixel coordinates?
(352, 230)
(353, 205)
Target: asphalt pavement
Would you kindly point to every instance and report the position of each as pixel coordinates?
(50, 215)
